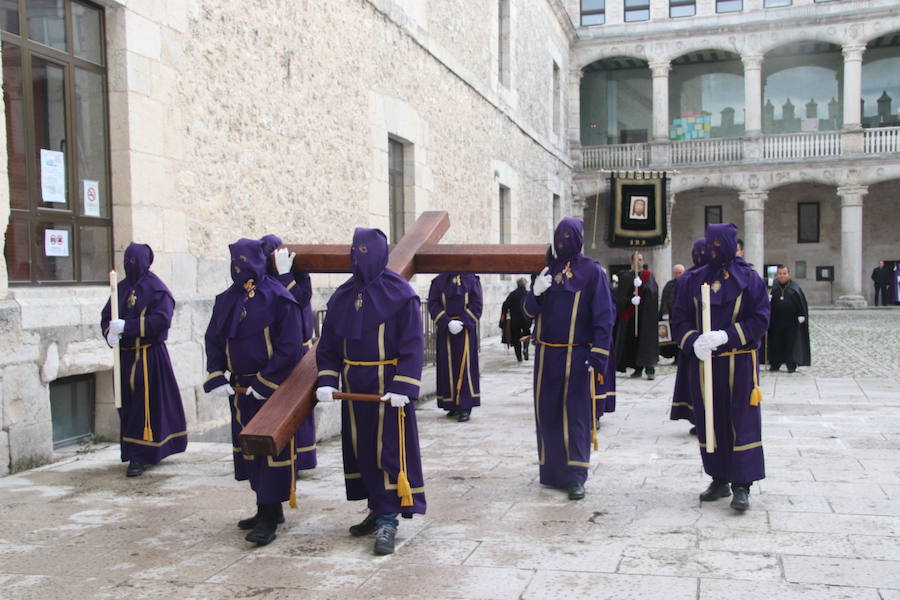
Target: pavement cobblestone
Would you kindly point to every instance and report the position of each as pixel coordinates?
(824, 524)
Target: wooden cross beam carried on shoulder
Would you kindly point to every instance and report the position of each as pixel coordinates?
(417, 252)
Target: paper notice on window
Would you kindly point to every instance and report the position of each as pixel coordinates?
(91, 198)
(53, 176)
(56, 242)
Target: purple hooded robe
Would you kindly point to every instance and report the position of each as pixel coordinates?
(300, 287)
(254, 337)
(573, 328)
(152, 424)
(456, 296)
(373, 343)
(739, 307)
(682, 405)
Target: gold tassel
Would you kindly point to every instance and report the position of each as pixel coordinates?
(756, 395)
(293, 499)
(148, 432)
(404, 491)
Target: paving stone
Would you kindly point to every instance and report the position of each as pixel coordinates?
(563, 585)
(842, 571)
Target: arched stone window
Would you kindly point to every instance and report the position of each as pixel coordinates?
(803, 88)
(706, 96)
(616, 102)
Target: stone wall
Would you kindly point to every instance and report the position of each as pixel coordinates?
(238, 118)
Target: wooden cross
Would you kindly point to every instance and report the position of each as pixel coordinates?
(417, 252)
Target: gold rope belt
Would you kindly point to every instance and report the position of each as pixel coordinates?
(140, 353)
(370, 363)
(756, 393)
(552, 345)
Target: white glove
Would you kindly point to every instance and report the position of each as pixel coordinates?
(542, 282)
(707, 342)
(283, 260)
(801, 320)
(112, 339)
(637, 282)
(702, 349)
(636, 300)
(396, 400)
(665, 317)
(455, 326)
(325, 393)
(116, 326)
(615, 278)
(254, 394)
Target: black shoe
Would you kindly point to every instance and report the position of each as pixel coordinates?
(576, 491)
(264, 531)
(741, 500)
(464, 415)
(774, 367)
(717, 489)
(636, 374)
(135, 469)
(364, 527)
(693, 431)
(452, 413)
(651, 376)
(384, 539)
(250, 523)
(792, 368)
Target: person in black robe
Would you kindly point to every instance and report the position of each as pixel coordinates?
(513, 321)
(881, 277)
(637, 297)
(788, 339)
(669, 350)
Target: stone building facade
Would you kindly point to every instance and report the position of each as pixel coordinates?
(773, 154)
(240, 118)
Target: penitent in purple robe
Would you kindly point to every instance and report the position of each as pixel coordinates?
(895, 284)
(152, 424)
(573, 330)
(254, 338)
(300, 287)
(373, 343)
(682, 404)
(455, 296)
(740, 308)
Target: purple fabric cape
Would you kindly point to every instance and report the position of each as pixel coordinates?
(445, 283)
(570, 269)
(248, 267)
(373, 294)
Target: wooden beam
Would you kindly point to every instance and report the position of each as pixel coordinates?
(278, 419)
(431, 258)
(482, 258)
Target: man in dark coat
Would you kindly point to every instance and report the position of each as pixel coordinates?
(637, 334)
(788, 338)
(514, 322)
(152, 424)
(665, 308)
(881, 278)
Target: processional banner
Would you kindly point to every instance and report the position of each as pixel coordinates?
(637, 209)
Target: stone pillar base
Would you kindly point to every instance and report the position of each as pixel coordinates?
(851, 301)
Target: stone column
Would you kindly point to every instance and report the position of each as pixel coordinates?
(754, 228)
(660, 90)
(850, 276)
(853, 55)
(752, 95)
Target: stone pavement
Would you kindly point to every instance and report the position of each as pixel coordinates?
(824, 524)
